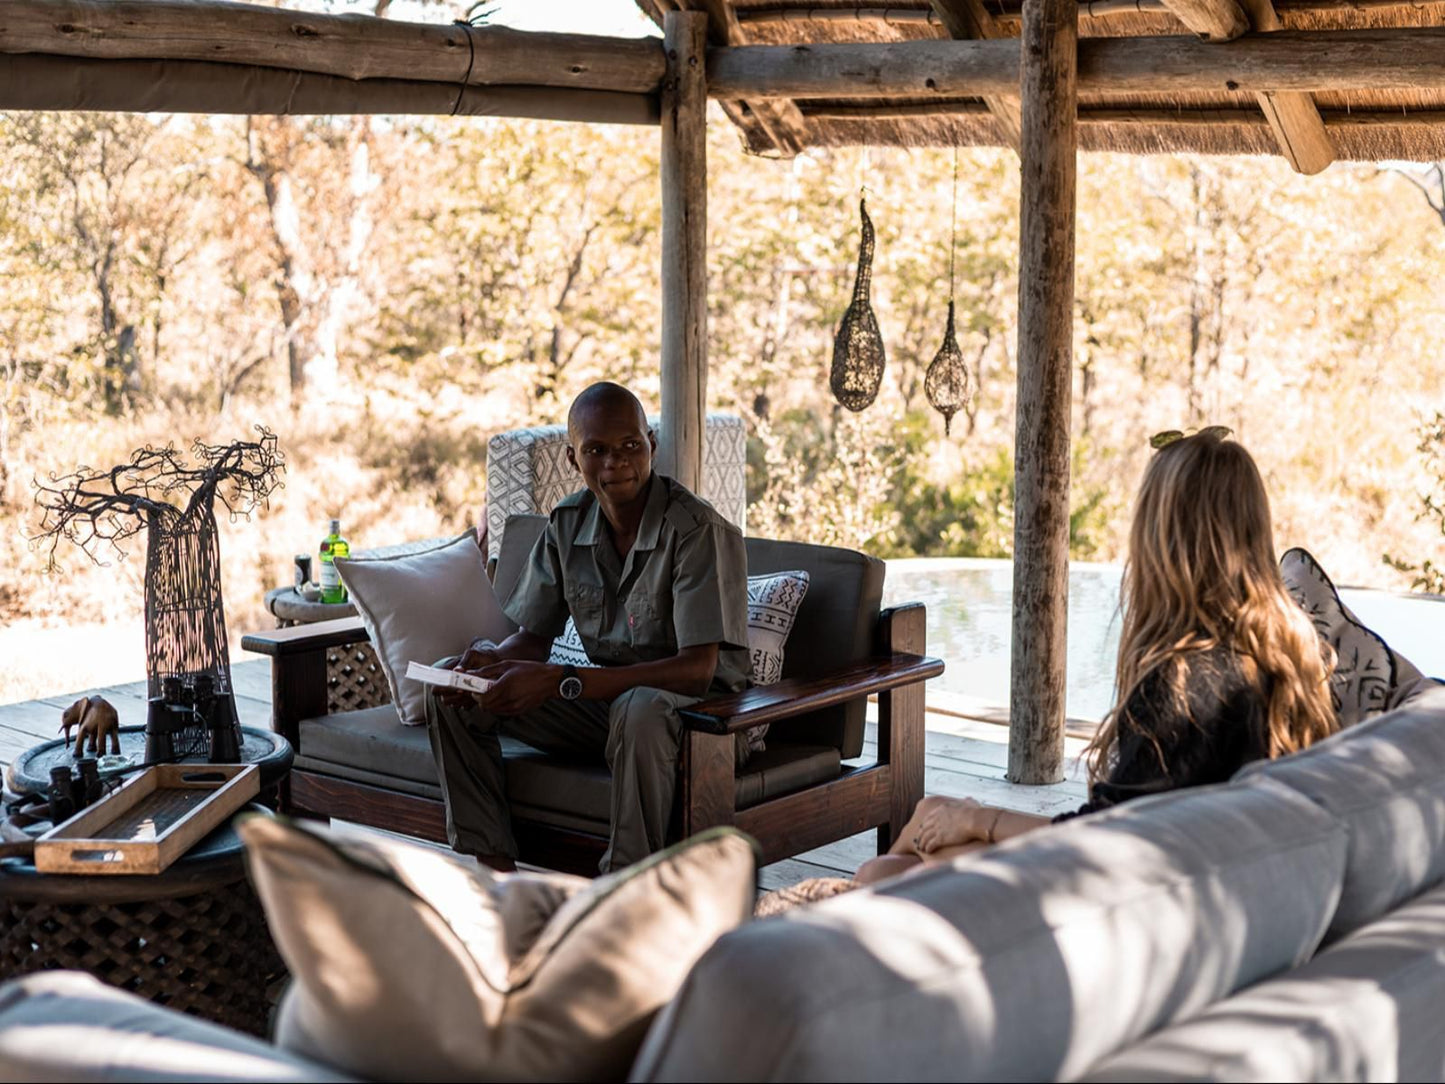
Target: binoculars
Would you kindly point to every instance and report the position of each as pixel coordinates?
(70, 791)
(187, 712)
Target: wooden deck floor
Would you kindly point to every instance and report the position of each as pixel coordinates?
(965, 757)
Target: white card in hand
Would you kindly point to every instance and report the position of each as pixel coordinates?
(453, 679)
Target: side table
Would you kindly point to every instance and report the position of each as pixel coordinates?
(193, 937)
(289, 607)
(29, 773)
(353, 675)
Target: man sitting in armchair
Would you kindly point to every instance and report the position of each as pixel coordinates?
(656, 583)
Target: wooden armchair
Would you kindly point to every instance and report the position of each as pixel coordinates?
(362, 765)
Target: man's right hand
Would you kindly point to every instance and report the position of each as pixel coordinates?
(470, 660)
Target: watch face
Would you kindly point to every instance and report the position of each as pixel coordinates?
(570, 688)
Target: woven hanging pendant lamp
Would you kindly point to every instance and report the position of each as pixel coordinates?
(858, 356)
(947, 381)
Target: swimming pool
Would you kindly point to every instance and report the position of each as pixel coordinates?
(970, 614)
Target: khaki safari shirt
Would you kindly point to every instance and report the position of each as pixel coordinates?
(683, 584)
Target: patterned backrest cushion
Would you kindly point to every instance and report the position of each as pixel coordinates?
(1364, 674)
(527, 471)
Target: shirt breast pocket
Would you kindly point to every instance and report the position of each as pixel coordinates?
(648, 626)
(585, 602)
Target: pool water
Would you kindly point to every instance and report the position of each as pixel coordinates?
(970, 615)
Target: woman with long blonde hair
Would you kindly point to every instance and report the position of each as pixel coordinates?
(1218, 666)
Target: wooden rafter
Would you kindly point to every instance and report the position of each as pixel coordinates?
(770, 126)
(964, 19)
(1212, 20)
(1293, 116)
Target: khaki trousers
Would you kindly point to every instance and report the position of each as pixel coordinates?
(637, 736)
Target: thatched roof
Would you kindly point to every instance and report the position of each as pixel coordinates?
(1363, 125)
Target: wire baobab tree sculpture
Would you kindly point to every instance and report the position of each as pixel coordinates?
(192, 710)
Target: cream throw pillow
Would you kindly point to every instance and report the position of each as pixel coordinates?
(423, 607)
(410, 964)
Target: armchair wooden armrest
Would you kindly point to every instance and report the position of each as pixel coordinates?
(299, 639)
(797, 696)
(298, 668)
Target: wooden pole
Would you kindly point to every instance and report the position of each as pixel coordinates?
(1048, 157)
(684, 248)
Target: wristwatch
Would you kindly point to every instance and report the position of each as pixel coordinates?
(570, 687)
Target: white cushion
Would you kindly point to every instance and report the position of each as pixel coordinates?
(411, 964)
(423, 607)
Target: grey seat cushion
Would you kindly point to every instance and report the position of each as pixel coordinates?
(1029, 962)
(1385, 780)
(371, 746)
(67, 1026)
(1367, 1008)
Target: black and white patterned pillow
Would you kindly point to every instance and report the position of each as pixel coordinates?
(1364, 676)
(773, 601)
(567, 649)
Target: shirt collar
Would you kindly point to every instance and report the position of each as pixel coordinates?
(651, 526)
(590, 530)
(648, 531)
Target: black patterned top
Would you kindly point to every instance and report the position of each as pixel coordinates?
(1189, 734)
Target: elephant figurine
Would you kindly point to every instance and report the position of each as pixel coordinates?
(95, 718)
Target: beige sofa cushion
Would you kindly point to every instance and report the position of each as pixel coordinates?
(1367, 1008)
(410, 964)
(1029, 963)
(66, 1026)
(1385, 780)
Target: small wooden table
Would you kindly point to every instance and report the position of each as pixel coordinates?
(193, 937)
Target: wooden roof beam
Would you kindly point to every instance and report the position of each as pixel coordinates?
(1293, 117)
(965, 19)
(1291, 60)
(349, 46)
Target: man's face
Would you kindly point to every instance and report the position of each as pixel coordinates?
(612, 448)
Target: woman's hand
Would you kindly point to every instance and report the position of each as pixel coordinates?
(950, 822)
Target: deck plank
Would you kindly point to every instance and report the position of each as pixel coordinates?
(963, 757)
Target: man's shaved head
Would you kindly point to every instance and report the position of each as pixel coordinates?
(604, 397)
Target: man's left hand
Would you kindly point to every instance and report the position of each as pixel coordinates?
(520, 686)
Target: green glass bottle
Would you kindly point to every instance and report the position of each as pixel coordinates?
(333, 546)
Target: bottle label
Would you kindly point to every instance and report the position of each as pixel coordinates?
(330, 578)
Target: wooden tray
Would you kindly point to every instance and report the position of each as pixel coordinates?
(149, 821)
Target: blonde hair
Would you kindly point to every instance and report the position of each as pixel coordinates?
(1201, 573)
